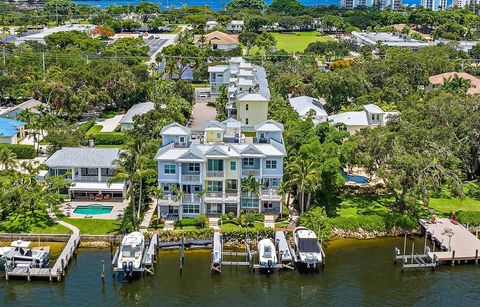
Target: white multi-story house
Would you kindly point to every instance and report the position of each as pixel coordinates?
(371, 116)
(248, 92)
(201, 172)
(89, 170)
(306, 106)
(235, 26)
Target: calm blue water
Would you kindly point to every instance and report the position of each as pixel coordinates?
(354, 178)
(215, 5)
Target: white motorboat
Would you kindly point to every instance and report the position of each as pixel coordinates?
(267, 255)
(131, 253)
(307, 247)
(19, 253)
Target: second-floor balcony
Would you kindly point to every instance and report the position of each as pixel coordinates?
(190, 178)
(91, 178)
(222, 196)
(250, 171)
(191, 198)
(270, 194)
(215, 174)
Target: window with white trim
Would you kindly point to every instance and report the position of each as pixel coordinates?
(271, 164)
(191, 208)
(169, 168)
(193, 167)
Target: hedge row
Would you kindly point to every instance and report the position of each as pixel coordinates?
(189, 234)
(110, 138)
(21, 151)
(86, 126)
(472, 218)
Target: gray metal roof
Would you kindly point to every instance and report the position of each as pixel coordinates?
(138, 109)
(83, 157)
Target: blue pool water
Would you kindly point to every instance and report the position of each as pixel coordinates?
(94, 209)
(354, 178)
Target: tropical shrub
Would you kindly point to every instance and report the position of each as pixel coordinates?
(86, 126)
(110, 138)
(21, 151)
(316, 219)
(472, 218)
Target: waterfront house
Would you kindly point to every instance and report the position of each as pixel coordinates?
(248, 92)
(306, 106)
(202, 172)
(217, 40)
(11, 130)
(88, 169)
(126, 122)
(371, 116)
(12, 112)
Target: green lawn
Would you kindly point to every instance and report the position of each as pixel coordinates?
(95, 226)
(109, 146)
(94, 130)
(108, 114)
(295, 41)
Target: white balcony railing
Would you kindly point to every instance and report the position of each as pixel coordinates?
(91, 178)
(191, 198)
(270, 193)
(190, 178)
(221, 196)
(250, 171)
(215, 174)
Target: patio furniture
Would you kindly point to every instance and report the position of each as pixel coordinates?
(106, 197)
(91, 197)
(98, 197)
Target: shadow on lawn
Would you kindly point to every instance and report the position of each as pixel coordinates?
(20, 224)
(364, 204)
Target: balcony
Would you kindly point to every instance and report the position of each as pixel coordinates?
(190, 178)
(91, 178)
(222, 197)
(250, 171)
(270, 194)
(191, 199)
(215, 174)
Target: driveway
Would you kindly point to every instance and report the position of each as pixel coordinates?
(109, 125)
(200, 114)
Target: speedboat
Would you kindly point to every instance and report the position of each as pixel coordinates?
(267, 256)
(19, 253)
(307, 247)
(131, 254)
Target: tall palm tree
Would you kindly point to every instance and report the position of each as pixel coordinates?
(157, 193)
(131, 167)
(456, 84)
(7, 158)
(303, 173)
(251, 186)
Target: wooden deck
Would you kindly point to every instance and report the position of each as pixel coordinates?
(455, 241)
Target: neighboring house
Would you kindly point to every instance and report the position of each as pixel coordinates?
(210, 25)
(305, 105)
(463, 45)
(387, 39)
(440, 80)
(218, 40)
(371, 116)
(89, 170)
(11, 130)
(235, 26)
(126, 122)
(208, 170)
(12, 112)
(248, 92)
(40, 36)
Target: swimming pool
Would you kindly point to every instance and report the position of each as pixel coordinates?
(93, 209)
(354, 178)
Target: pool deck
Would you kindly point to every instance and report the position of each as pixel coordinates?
(117, 211)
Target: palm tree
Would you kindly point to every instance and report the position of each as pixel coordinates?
(456, 84)
(7, 158)
(131, 167)
(157, 193)
(303, 173)
(251, 186)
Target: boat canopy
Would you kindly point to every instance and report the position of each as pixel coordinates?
(20, 243)
(308, 245)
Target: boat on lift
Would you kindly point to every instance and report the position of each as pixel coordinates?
(267, 257)
(308, 250)
(19, 254)
(131, 254)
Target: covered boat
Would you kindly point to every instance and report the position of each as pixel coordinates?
(307, 247)
(131, 253)
(19, 253)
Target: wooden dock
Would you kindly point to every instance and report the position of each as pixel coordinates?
(455, 241)
(55, 272)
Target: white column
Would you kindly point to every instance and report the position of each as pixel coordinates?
(179, 172)
(261, 168)
(99, 174)
(73, 173)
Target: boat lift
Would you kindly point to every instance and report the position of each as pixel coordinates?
(148, 259)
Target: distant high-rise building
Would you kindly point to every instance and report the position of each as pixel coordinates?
(464, 3)
(435, 5)
(381, 4)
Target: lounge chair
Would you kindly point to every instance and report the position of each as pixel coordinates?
(106, 197)
(99, 197)
(91, 197)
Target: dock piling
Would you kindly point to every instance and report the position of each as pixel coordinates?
(453, 258)
(103, 270)
(476, 256)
